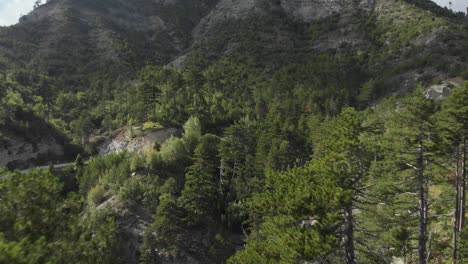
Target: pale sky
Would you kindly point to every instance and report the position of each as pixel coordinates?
(457, 5)
(11, 10)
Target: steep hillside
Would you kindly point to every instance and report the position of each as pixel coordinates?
(266, 29)
(32, 142)
(71, 39)
(85, 60)
(395, 41)
(27, 137)
(290, 131)
(79, 42)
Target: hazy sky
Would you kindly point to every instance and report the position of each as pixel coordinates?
(457, 5)
(11, 10)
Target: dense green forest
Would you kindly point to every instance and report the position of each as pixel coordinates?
(322, 188)
(291, 151)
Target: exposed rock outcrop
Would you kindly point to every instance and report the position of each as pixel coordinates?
(442, 91)
(309, 10)
(136, 141)
(18, 153)
(133, 222)
(302, 10)
(27, 141)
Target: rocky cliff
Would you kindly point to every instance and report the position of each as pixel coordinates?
(137, 141)
(18, 153)
(30, 141)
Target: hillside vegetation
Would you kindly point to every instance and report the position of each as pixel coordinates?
(308, 135)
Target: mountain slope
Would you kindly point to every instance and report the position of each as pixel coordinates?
(69, 39)
(83, 58)
(275, 164)
(390, 36)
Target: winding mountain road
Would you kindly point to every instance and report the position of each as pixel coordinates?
(55, 166)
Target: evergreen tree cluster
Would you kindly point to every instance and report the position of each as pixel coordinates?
(285, 157)
(385, 183)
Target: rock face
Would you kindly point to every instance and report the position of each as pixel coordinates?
(17, 153)
(133, 222)
(302, 10)
(438, 92)
(309, 10)
(27, 141)
(233, 9)
(268, 23)
(442, 91)
(125, 140)
(299, 10)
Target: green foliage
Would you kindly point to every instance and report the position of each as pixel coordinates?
(298, 209)
(25, 252)
(403, 25)
(367, 92)
(452, 121)
(151, 125)
(192, 133)
(111, 170)
(463, 254)
(169, 225)
(173, 150)
(286, 157)
(24, 198)
(98, 238)
(96, 195)
(137, 162)
(13, 100)
(144, 190)
(201, 192)
(38, 225)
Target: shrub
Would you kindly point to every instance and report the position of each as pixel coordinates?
(192, 132)
(96, 195)
(173, 150)
(137, 162)
(152, 125)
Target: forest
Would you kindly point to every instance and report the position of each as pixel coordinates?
(304, 179)
(301, 154)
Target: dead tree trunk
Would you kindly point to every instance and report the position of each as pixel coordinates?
(349, 234)
(348, 213)
(422, 204)
(456, 224)
(463, 187)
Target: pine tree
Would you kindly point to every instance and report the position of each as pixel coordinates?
(237, 175)
(297, 213)
(200, 196)
(343, 156)
(412, 129)
(29, 205)
(452, 123)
